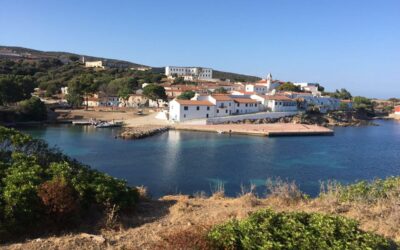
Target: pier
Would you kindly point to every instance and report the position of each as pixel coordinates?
(274, 129)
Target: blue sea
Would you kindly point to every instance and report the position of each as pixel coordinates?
(189, 162)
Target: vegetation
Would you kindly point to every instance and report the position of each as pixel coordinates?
(32, 109)
(14, 88)
(288, 86)
(187, 95)
(154, 92)
(369, 192)
(220, 90)
(363, 104)
(39, 186)
(266, 229)
(341, 94)
(234, 77)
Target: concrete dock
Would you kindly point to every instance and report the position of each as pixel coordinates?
(273, 129)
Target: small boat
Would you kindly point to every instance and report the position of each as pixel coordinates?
(81, 122)
(109, 124)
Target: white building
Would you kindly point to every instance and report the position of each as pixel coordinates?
(183, 110)
(224, 104)
(245, 105)
(189, 73)
(94, 64)
(257, 88)
(310, 87)
(280, 103)
(323, 103)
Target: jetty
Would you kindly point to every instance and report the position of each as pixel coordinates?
(274, 129)
(139, 132)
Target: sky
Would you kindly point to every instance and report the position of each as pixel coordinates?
(352, 44)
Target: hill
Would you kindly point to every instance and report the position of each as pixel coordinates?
(234, 76)
(16, 53)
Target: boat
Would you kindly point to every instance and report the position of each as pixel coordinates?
(109, 124)
(81, 122)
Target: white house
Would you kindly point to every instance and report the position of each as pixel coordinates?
(257, 88)
(245, 105)
(280, 103)
(189, 73)
(310, 87)
(183, 110)
(94, 64)
(224, 104)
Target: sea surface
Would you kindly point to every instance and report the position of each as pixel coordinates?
(190, 162)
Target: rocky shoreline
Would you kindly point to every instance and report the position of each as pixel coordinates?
(333, 119)
(139, 132)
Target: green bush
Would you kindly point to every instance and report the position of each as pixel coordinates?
(32, 109)
(30, 186)
(266, 229)
(370, 191)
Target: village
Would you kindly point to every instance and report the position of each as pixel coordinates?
(201, 99)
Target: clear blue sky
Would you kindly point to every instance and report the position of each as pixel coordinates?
(341, 43)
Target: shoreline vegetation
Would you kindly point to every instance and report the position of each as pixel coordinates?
(49, 201)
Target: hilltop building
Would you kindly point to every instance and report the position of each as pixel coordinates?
(189, 73)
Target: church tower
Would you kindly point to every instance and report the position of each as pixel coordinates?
(269, 82)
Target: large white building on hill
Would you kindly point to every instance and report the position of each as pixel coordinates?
(189, 73)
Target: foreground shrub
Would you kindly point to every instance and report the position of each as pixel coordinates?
(364, 191)
(39, 184)
(59, 199)
(266, 229)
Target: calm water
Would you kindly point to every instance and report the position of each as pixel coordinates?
(187, 162)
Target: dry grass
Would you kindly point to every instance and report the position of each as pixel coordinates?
(179, 221)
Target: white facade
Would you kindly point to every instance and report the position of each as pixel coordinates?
(257, 88)
(306, 86)
(183, 110)
(189, 73)
(281, 104)
(94, 64)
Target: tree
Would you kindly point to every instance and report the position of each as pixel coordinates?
(179, 80)
(79, 87)
(187, 95)
(154, 92)
(288, 86)
(32, 109)
(342, 94)
(220, 90)
(73, 58)
(9, 91)
(362, 103)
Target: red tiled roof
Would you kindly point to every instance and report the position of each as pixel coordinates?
(194, 103)
(222, 97)
(244, 100)
(278, 98)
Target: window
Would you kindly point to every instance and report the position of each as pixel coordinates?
(238, 104)
(255, 105)
(226, 111)
(208, 108)
(185, 108)
(184, 116)
(217, 110)
(207, 115)
(246, 105)
(198, 108)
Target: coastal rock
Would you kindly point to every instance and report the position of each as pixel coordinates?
(142, 132)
